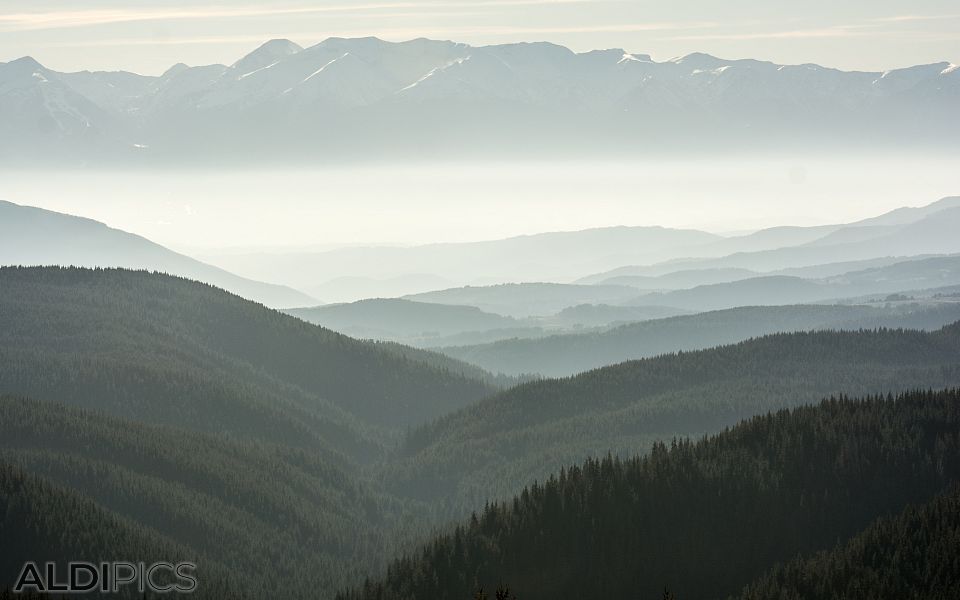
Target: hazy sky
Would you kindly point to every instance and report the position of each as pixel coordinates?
(148, 36)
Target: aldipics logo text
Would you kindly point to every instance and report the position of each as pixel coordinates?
(107, 577)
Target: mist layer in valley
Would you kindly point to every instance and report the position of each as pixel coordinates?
(275, 224)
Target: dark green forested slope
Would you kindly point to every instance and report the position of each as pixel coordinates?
(562, 355)
(506, 441)
(162, 349)
(273, 517)
(913, 556)
(43, 522)
(704, 518)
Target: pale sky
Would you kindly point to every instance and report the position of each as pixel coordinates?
(148, 36)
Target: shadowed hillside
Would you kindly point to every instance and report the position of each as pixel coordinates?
(702, 518)
(911, 555)
(166, 350)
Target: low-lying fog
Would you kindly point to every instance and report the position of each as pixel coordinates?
(213, 212)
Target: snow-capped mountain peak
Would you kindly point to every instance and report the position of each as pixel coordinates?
(282, 92)
(269, 53)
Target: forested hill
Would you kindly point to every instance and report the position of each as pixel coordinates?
(162, 349)
(268, 517)
(56, 524)
(506, 441)
(701, 518)
(562, 355)
(913, 555)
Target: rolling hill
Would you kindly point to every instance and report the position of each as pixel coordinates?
(669, 281)
(603, 315)
(266, 518)
(401, 320)
(54, 523)
(909, 555)
(567, 354)
(498, 445)
(772, 290)
(35, 237)
(521, 300)
(160, 349)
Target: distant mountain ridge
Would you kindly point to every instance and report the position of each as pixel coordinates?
(571, 353)
(275, 101)
(36, 237)
(903, 232)
(352, 273)
(396, 319)
(643, 257)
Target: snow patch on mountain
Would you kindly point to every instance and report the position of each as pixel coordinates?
(255, 71)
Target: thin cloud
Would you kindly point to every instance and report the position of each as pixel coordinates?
(27, 21)
(876, 27)
(869, 29)
(844, 31)
(614, 28)
(910, 18)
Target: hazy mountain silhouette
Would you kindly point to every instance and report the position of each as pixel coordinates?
(402, 320)
(778, 250)
(570, 353)
(529, 299)
(651, 258)
(356, 272)
(933, 233)
(32, 236)
(775, 290)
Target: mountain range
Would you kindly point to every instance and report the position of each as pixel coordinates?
(677, 258)
(356, 98)
(903, 250)
(624, 411)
